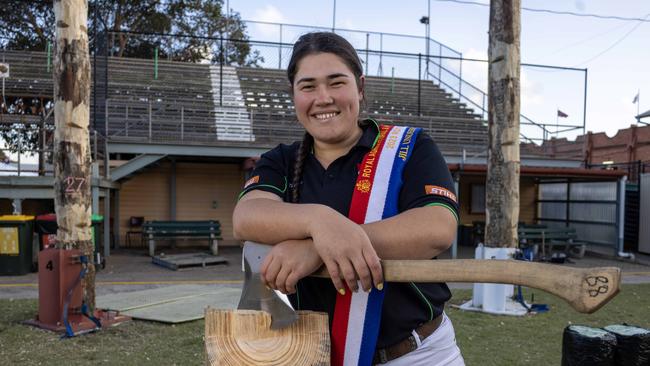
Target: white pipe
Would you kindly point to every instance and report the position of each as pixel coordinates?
(621, 220)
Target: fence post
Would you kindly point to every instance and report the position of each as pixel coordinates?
(126, 120)
(49, 56)
(483, 112)
(106, 73)
(182, 123)
(460, 78)
(221, 61)
(107, 168)
(106, 118)
(155, 63)
(149, 120)
(440, 63)
(367, 46)
(419, 81)
(381, 54)
(20, 150)
(41, 145)
(252, 119)
(280, 50)
(95, 144)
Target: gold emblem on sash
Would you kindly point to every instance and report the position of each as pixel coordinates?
(363, 186)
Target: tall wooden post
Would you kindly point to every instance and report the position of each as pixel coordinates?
(72, 158)
(502, 187)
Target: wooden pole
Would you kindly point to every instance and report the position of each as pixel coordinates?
(502, 186)
(72, 160)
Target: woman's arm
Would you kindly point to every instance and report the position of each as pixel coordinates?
(343, 245)
(418, 233)
(263, 217)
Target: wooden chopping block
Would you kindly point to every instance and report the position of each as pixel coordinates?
(243, 338)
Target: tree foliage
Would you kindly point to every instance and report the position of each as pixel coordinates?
(128, 28)
(27, 25)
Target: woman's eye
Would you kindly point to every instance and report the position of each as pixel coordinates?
(337, 83)
(307, 87)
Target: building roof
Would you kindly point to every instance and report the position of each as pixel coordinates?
(547, 172)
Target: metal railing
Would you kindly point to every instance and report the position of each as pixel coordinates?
(156, 122)
(442, 66)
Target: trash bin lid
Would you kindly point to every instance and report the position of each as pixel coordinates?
(16, 218)
(46, 217)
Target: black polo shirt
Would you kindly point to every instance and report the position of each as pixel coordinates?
(426, 181)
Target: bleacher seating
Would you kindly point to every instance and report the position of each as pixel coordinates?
(187, 104)
(452, 125)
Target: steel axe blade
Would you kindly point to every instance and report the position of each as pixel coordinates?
(255, 295)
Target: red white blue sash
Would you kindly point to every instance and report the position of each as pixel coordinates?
(355, 326)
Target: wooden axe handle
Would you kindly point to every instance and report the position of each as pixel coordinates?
(585, 289)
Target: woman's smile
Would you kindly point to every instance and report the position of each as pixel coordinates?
(325, 116)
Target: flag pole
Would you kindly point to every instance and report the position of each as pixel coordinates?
(637, 100)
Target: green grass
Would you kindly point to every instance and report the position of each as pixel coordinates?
(483, 339)
(537, 339)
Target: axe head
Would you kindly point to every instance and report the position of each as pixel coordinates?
(255, 295)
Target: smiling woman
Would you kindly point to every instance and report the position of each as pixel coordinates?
(352, 192)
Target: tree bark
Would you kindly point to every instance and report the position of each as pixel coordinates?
(72, 160)
(502, 186)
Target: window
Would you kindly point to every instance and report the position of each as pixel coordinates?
(478, 199)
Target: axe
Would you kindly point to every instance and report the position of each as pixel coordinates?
(585, 289)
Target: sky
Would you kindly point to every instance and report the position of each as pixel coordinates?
(615, 53)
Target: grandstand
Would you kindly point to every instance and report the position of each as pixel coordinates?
(139, 101)
(172, 140)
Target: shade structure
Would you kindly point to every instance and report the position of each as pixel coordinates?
(244, 338)
(643, 115)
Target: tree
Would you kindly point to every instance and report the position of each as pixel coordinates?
(72, 199)
(26, 25)
(502, 187)
(201, 18)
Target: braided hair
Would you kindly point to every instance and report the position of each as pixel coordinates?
(309, 44)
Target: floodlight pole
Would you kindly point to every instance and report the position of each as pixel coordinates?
(334, 17)
(426, 20)
(584, 105)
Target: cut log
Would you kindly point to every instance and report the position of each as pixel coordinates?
(244, 338)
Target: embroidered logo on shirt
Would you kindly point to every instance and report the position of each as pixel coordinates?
(253, 180)
(439, 191)
(363, 186)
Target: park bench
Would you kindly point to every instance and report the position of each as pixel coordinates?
(169, 230)
(548, 238)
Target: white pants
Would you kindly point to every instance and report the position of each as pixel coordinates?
(438, 349)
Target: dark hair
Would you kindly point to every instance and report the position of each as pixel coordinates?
(309, 44)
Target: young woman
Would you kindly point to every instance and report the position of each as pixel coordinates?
(316, 202)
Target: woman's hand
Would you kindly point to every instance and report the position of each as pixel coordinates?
(288, 262)
(346, 250)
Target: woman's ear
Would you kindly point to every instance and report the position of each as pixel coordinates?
(362, 84)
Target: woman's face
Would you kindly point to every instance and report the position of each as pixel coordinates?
(326, 97)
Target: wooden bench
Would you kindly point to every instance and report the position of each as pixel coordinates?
(552, 237)
(210, 230)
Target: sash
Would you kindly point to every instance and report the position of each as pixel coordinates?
(355, 326)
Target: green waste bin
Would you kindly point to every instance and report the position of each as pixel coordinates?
(97, 222)
(16, 251)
